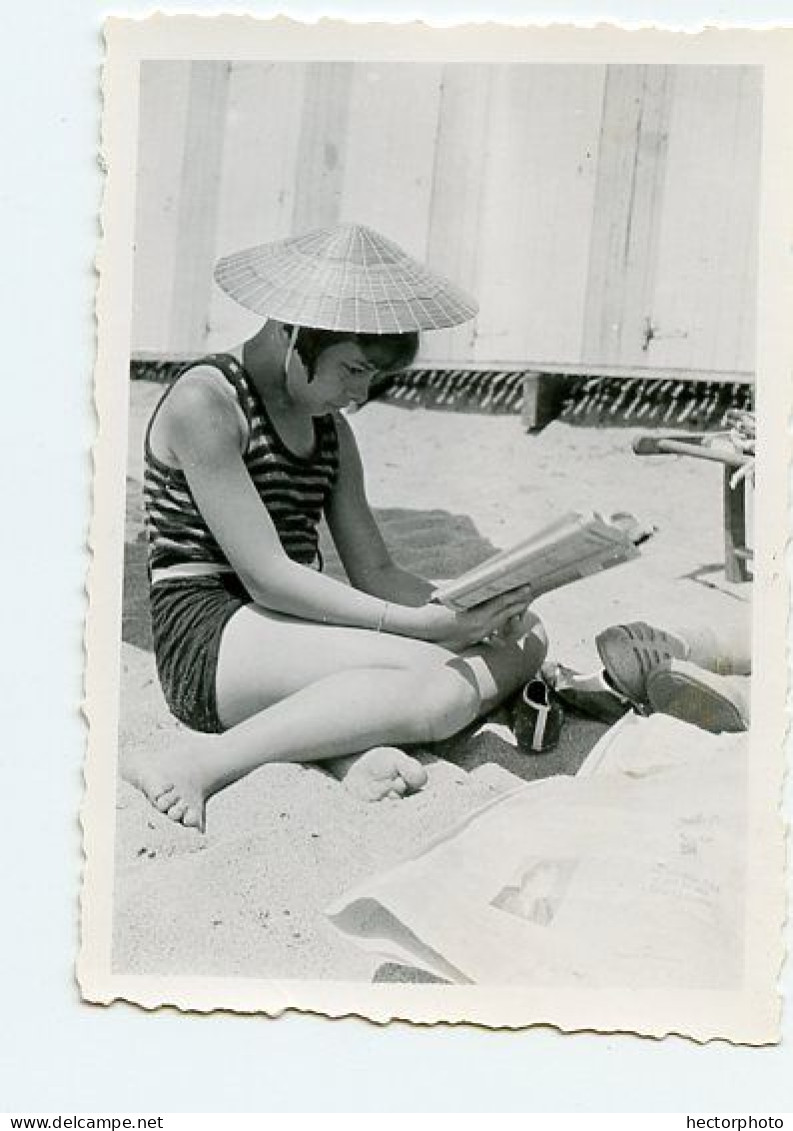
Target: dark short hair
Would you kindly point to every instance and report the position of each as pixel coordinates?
(389, 352)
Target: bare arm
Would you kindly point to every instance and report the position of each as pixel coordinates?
(366, 557)
(205, 437)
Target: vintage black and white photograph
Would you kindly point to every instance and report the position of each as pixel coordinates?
(436, 409)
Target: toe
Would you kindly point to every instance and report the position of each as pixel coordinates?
(412, 772)
(177, 810)
(379, 789)
(194, 817)
(163, 801)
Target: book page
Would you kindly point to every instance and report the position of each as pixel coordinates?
(568, 550)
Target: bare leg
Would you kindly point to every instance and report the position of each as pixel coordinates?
(726, 649)
(630, 652)
(326, 692)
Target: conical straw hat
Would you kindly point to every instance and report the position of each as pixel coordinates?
(347, 278)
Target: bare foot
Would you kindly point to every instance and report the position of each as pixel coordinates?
(177, 782)
(382, 772)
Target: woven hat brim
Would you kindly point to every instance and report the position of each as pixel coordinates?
(281, 281)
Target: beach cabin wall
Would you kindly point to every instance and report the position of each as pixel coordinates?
(604, 216)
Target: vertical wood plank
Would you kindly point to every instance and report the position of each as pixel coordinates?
(319, 175)
(543, 394)
(734, 502)
(259, 175)
(392, 129)
(738, 310)
(627, 220)
(644, 225)
(704, 301)
(537, 204)
(164, 88)
(454, 244)
(198, 205)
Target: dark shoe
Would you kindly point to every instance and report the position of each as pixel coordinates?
(718, 703)
(629, 652)
(590, 695)
(538, 718)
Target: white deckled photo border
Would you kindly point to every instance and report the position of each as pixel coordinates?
(751, 1015)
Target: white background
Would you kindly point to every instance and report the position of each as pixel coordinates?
(57, 1054)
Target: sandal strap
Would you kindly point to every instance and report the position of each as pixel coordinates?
(629, 652)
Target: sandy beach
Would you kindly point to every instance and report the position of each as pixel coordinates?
(449, 488)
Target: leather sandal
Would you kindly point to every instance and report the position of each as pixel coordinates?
(588, 695)
(629, 652)
(712, 702)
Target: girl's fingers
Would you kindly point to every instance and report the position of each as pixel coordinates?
(482, 626)
(510, 613)
(496, 614)
(515, 597)
(492, 617)
(517, 606)
(513, 626)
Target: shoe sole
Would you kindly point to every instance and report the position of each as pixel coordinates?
(685, 698)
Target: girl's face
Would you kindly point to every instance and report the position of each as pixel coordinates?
(342, 376)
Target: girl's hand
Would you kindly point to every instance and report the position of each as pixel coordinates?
(497, 616)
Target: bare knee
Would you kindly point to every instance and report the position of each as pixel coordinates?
(443, 698)
(533, 646)
(442, 701)
(512, 663)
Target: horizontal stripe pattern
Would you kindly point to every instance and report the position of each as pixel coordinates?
(294, 490)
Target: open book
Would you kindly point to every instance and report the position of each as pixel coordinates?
(567, 550)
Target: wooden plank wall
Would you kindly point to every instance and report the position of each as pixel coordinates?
(160, 153)
(704, 299)
(533, 226)
(260, 191)
(605, 217)
(626, 218)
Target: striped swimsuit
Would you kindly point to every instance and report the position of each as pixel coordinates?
(189, 613)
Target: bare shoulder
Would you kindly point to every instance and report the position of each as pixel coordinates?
(202, 412)
(203, 388)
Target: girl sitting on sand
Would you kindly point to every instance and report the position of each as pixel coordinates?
(244, 454)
